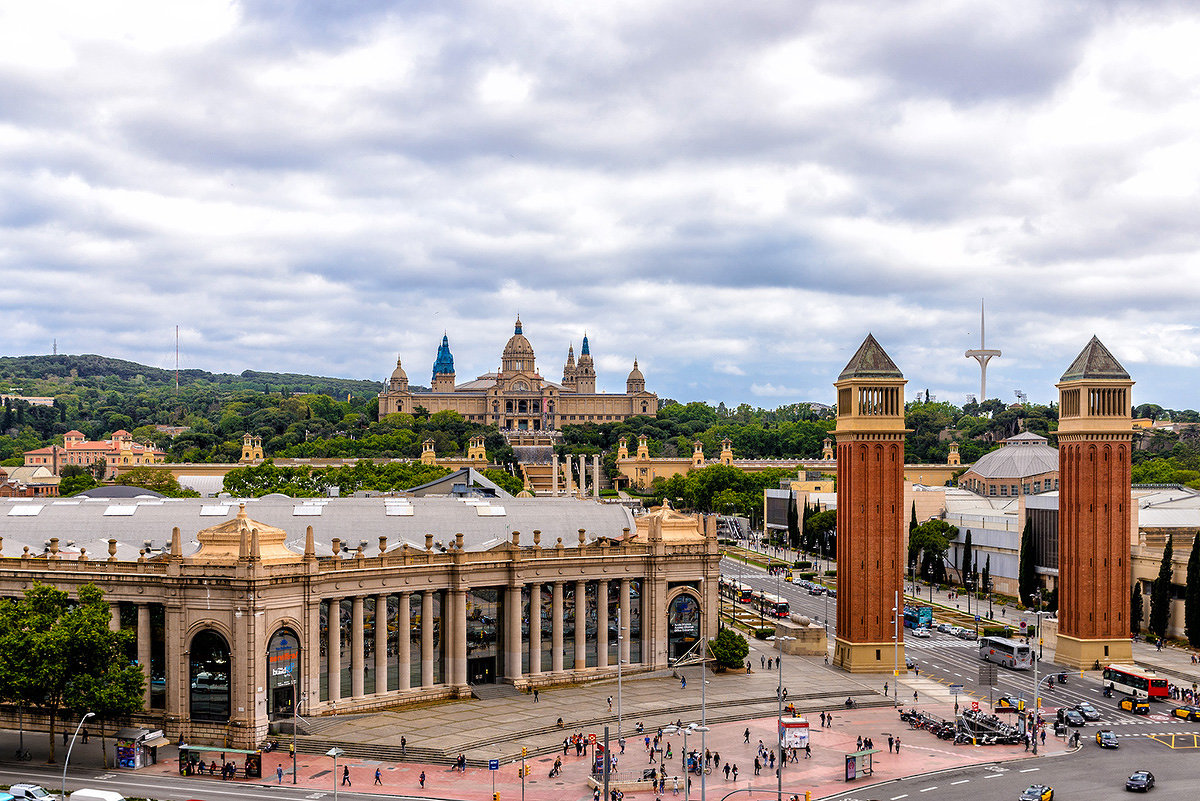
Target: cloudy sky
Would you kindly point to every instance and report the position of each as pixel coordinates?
(734, 193)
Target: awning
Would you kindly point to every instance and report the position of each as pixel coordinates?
(156, 742)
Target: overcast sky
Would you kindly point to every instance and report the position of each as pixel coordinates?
(734, 193)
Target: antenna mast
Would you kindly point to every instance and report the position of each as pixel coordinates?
(983, 355)
(176, 360)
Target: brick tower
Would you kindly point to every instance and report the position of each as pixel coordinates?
(1095, 428)
(870, 511)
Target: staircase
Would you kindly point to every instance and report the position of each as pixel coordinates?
(541, 478)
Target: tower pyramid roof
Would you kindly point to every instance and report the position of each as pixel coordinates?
(1095, 361)
(445, 359)
(870, 361)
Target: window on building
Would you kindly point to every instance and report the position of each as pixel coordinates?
(991, 489)
(209, 677)
(1004, 489)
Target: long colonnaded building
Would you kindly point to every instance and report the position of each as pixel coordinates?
(354, 604)
(516, 397)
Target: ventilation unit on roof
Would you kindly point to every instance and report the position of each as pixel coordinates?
(489, 511)
(307, 510)
(398, 510)
(120, 511)
(214, 510)
(25, 510)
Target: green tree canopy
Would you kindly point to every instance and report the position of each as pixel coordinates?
(729, 648)
(1162, 592)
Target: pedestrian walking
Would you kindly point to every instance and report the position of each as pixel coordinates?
(403, 746)
(85, 735)
(885, 689)
(421, 779)
(822, 719)
(762, 662)
(535, 695)
(378, 776)
(621, 744)
(891, 742)
(717, 760)
(859, 745)
(279, 774)
(735, 771)
(826, 660)
(674, 785)
(726, 771)
(757, 766)
(746, 735)
(807, 751)
(683, 682)
(346, 776)
(914, 696)
(897, 745)
(785, 693)
(1043, 736)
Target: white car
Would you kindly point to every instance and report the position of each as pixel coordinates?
(32, 791)
(921, 632)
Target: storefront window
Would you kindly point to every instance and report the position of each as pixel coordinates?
(635, 621)
(683, 625)
(209, 677)
(483, 635)
(283, 673)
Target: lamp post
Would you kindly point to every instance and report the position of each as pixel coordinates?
(334, 752)
(67, 761)
(691, 727)
(295, 720)
(620, 661)
(779, 726)
(896, 647)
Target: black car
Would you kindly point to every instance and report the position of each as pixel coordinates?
(1073, 718)
(1088, 711)
(1142, 780)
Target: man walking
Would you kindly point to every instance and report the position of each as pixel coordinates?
(746, 734)
(279, 773)
(891, 742)
(421, 779)
(346, 776)
(378, 776)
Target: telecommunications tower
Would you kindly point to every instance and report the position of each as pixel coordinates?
(982, 355)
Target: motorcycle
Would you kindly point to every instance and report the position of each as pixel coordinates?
(1108, 692)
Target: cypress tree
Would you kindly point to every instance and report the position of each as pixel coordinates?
(964, 567)
(1027, 582)
(1160, 595)
(987, 574)
(793, 522)
(1135, 610)
(1191, 604)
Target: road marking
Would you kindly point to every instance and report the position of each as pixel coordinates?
(927, 789)
(898, 797)
(992, 775)
(1029, 770)
(960, 781)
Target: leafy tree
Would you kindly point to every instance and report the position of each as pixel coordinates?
(793, 521)
(507, 481)
(75, 479)
(930, 541)
(1161, 592)
(822, 531)
(729, 648)
(1135, 610)
(156, 479)
(61, 656)
(1027, 581)
(1191, 604)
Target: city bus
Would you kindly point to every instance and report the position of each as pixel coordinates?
(1135, 681)
(918, 617)
(1009, 653)
(736, 590)
(771, 605)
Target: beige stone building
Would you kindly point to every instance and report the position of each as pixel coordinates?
(241, 609)
(120, 451)
(516, 398)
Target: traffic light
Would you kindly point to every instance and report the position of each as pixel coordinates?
(495, 797)
(524, 752)
(528, 768)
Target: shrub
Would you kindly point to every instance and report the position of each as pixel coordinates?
(802, 565)
(729, 648)
(762, 634)
(831, 572)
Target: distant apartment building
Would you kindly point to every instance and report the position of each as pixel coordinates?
(32, 401)
(120, 451)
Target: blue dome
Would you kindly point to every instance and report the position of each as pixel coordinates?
(445, 360)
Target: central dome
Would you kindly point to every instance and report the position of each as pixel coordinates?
(518, 353)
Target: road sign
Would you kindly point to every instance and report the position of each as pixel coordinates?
(988, 675)
(592, 738)
(974, 706)
(978, 618)
(956, 689)
(493, 764)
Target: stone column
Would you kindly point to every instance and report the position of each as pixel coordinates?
(114, 617)
(623, 654)
(556, 628)
(334, 650)
(554, 475)
(403, 645)
(602, 623)
(458, 612)
(582, 461)
(178, 664)
(356, 646)
(427, 638)
(381, 644)
(580, 625)
(512, 632)
(596, 476)
(311, 658)
(535, 629)
(143, 647)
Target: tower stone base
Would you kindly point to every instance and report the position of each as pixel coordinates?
(1083, 654)
(867, 657)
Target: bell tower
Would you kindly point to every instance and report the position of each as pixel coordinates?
(1095, 431)
(870, 511)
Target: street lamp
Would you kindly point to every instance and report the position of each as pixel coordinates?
(67, 761)
(295, 719)
(779, 727)
(335, 752)
(896, 648)
(690, 728)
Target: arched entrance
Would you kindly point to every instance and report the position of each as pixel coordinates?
(683, 625)
(209, 677)
(283, 673)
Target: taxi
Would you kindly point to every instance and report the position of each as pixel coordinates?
(1106, 739)
(1187, 712)
(1009, 702)
(1037, 792)
(1138, 706)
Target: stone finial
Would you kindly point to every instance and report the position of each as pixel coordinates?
(336, 543)
(176, 542)
(25, 552)
(83, 555)
(241, 511)
(141, 555)
(54, 547)
(458, 541)
(112, 550)
(516, 539)
(625, 534)
(382, 544)
(310, 545)
(429, 542)
(244, 545)
(255, 550)
(559, 544)
(582, 537)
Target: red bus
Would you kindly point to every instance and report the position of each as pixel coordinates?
(1135, 681)
(736, 590)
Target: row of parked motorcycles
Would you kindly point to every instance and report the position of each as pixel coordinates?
(942, 729)
(973, 727)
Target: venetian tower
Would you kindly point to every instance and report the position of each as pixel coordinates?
(870, 512)
(1095, 430)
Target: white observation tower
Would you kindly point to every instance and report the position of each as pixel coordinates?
(982, 355)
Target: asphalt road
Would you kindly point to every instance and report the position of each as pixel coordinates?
(1165, 745)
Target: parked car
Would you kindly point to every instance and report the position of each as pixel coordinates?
(1106, 739)
(96, 795)
(1088, 711)
(909, 662)
(1187, 712)
(1037, 792)
(1138, 706)
(34, 791)
(945, 628)
(5, 796)
(921, 632)
(1142, 780)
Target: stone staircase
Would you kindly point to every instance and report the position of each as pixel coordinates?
(486, 692)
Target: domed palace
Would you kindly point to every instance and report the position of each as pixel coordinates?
(1026, 465)
(516, 398)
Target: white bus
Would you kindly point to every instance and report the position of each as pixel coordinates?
(1009, 653)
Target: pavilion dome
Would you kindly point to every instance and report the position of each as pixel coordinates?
(1026, 454)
